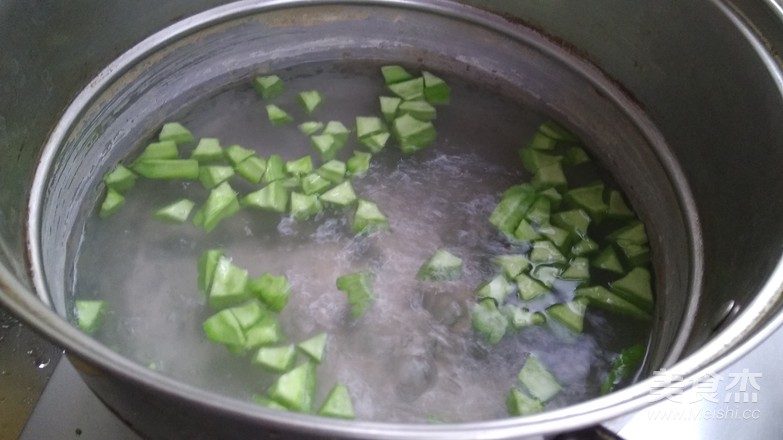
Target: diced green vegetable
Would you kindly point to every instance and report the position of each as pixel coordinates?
(590, 198)
(617, 208)
(602, 297)
(341, 195)
(575, 221)
(268, 87)
(176, 212)
(224, 328)
(304, 206)
(546, 275)
(488, 321)
(520, 317)
(278, 116)
(333, 171)
(292, 182)
(512, 265)
(326, 145)
(167, 168)
(634, 254)
(264, 332)
(337, 404)
(248, 313)
(252, 169)
(539, 211)
(436, 91)
(421, 110)
(412, 134)
(158, 150)
(578, 270)
(267, 402)
(235, 154)
(89, 314)
(389, 106)
(299, 167)
(542, 142)
(112, 203)
(272, 290)
(545, 252)
(549, 176)
(441, 266)
(229, 284)
(634, 233)
(538, 380)
(607, 260)
(497, 288)
(175, 132)
(375, 142)
(207, 150)
(310, 100)
(273, 197)
(533, 159)
(369, 125)
(635, 287)
(622, 367)
(358, 287)
(575, 156)
(358, 164)
(519, 404)
(393, 74)
(120, 179)
(207, 263)
(311, 127)
(314, 348)
(295, 390)
(512, 208)
(368, 218)
(557, 131)
(555, 198)
(275, 359)
(584, 246)
(529, 288)
(314, 184)
(275, 169)
(211, 176)
(221, 204)
(570, 314)
(559, 237)
(409, 89)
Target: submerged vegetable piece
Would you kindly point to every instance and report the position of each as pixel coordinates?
(584, 246)
(275, 169)
(207, 150)
(556, 131)
(314, 184)
(112, 203)
(421, 110)
(273, 197)
(393, 74)
(275, 359)
(520, 317)
(545, 252)
(602, 297)
(607, 260)
(369, 125)
(635, 255)
(389, 106)
(498, 289)
(333, 171)
(176, 212)
(559, 237)
(358, 287)
(295, 390)
(413, 135)
(341, 195)
(167, 168)
(635, 287)
(409, 89)
(248, 313)
(441, 266)
(575, 156)
(622, 367)
(221, 203)
(229, 284)
(578, 269)
(120, 179)
(310, 100)
(488, 321)
(267, 402)
(269, 86)
(617, 208)
(358, 164)
(314, 348)
(213, 175)
(529, 288)
(436, 91)
(634, 233)
(526, 232)
(590, 198)
(278, 116)
(264, 332)
(89, 314)
(575, 221)
(158, 150)
(311, 127)
(252, 169)
(326, 145)
(520, 404)
(235, 154)
(533, 160)
(272, 290)
(337, 404)
(375, 142)
(175, 132)
(512, 208)
(224, 328)
(368, 218)
(570, 314)
(547, 275)
(549, 176)
(512, 265)
(538, 380)
(304, 206)
(539, 211)
(299, 167)
(207, 263)
(542, 142)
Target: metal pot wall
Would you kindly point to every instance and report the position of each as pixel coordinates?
(697, 84)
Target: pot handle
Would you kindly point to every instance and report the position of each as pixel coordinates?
(597, 432)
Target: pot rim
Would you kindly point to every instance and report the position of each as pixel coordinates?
(750, 327)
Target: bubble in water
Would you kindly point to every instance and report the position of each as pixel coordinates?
(42, 363)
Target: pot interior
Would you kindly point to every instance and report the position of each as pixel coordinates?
(214, 60)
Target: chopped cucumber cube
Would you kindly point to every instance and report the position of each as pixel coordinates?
(549, 176)
(545, 252)
(497, 288)
(441, 266)
(235, 154)
(295, 389)
(341, 195)
(337, 404)
(436, 91)
(207, 263)
(375, 142)
(575, 221)
(539, 211)
(488, 321)
(578, 270)
(265, 332)
(623, 365)
(272, 290)
(229, 284)
(389, 106)
(607, 260)
(538, 380)
(358, 287)
(269, 86)
(421, 110)
(267, 402)
(602, 297)
(542, 142)
(520, 317)
(369, 125)
(224, 328)
(409, 89)
(112, 203)
(248, 313)
(175, 132)
(167, 168)
(358, 164)
(520, 404)
(529, 288)
(273, 197)
(546, 275)
(512, 265)
(555, 198)
(310, 100)
(252, 169)
(211, 176)
(333, 171)
(393, 74)
(575, 156)
(590, 198)
(635, 287)
(533, 160)
(311, 127)
(338, 130)
(304, 206)
(617, 208)
(635, 254)
(314, 184)
(557, 131)
(314, 348)
(412, 134)
(559, 237)
(299, 167)
(368, 218)
(89, 314)
(221, 203)
(275, 359)
(584, 246)
(634, 233)
(207, 150)
(512, 208)
(158, 150)
(326, 145)
(278, 116)
(176, 212)
(275, 169)
(120, 179)
(570, 314)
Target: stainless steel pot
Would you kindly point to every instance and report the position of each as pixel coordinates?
(685, 100)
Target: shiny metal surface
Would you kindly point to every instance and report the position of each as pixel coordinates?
(714, 94)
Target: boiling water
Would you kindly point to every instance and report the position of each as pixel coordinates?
(413, 355)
